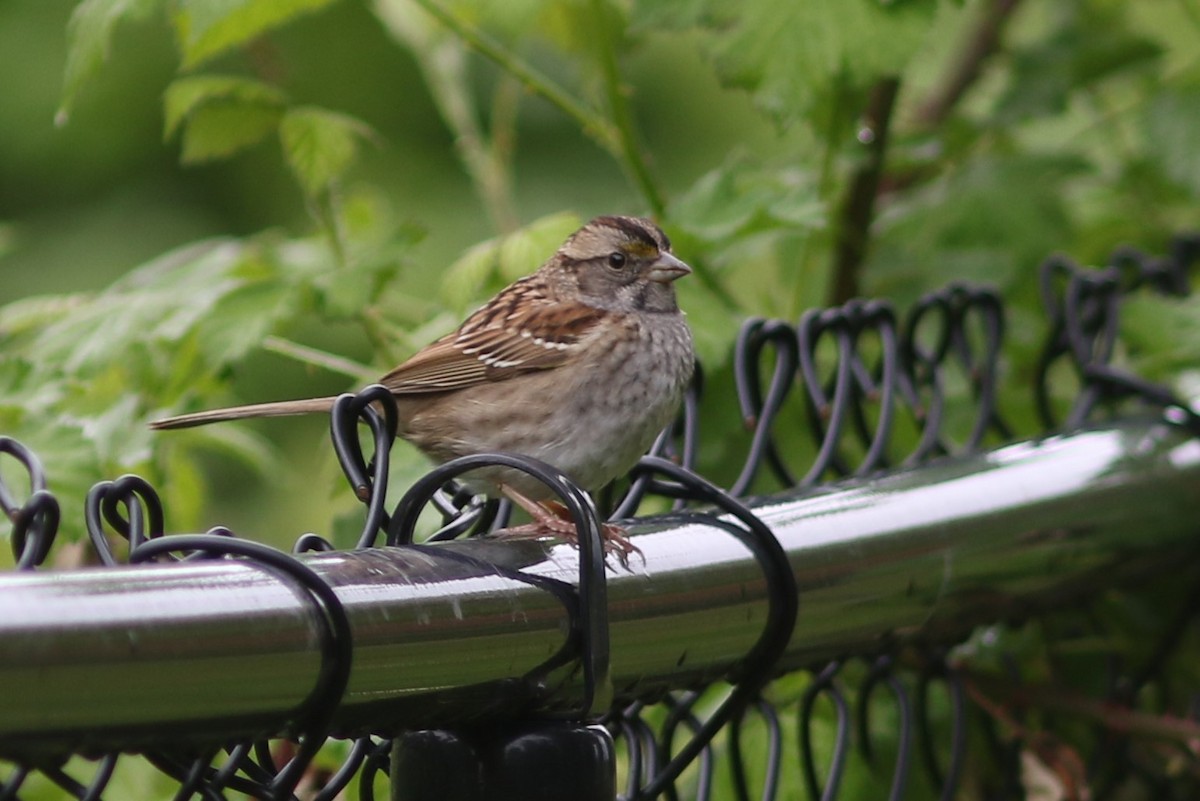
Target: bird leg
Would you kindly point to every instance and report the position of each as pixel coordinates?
(552, 517)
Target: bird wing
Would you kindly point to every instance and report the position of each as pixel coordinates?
(520, 330)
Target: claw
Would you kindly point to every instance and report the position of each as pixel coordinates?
(552, 517)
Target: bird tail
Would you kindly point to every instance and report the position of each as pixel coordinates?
(275, 409)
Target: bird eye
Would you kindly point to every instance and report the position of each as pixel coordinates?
(616, 259)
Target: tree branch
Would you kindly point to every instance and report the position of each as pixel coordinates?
(319, 358)
(980, 43)
(984, 689)
(592, 124)
(618, 105)
(854, 218)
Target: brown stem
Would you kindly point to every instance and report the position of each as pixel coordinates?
(859, 208)
(981, 41)
(985, 689)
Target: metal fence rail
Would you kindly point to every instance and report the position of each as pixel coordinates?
(209, 645)
(922, 554)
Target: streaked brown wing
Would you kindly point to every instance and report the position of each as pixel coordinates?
(518, 331)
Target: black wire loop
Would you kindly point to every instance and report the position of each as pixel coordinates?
(949, 313)
(760, 410)
(937, 670)
(1083, 306)
(680, 715)
(838, 406)
(34, 520)
(592, 615)
(641, 750)
(858, 366)
(465, 514)
(881, 673)
(755, 669)
(142, 521)
(367, 479)
(142, 525)
(773, 764)
(824, 684)
(315, 713)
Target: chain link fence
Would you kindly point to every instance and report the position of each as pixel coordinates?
(812, 642)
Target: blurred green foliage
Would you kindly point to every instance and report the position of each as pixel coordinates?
(349, 177)
(359, 152)
(347, 156)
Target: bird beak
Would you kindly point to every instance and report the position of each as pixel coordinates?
(667, 268)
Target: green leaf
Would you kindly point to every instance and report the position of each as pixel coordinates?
(320, 145)
(1163, 335)
(509, 21)
(29, 315)
(8, 239)
(495, 262)
(168, 329)
(713, 325)
(741, 198)
(220, 114)
(993, 220)
(89, 36)
(787, 52)
(525, 249)
(206, 28)
(247, 315)
(239, 443)
(219, 130)
(1171, 121)
(186, 96)
(1088, 48)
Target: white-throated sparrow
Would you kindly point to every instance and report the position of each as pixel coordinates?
(579, 365)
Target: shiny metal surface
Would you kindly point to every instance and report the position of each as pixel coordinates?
(109, 657)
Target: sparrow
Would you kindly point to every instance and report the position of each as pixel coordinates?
(580, 365)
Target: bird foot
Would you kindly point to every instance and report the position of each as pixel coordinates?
(552, 518)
